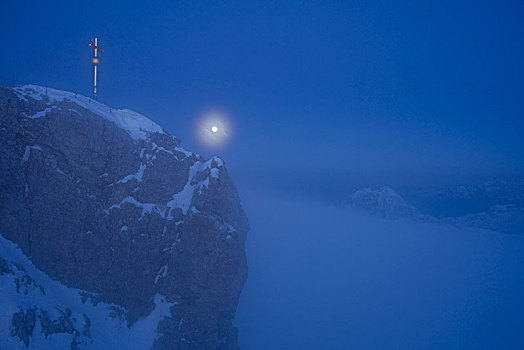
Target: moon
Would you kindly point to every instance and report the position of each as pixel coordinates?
(214, 129)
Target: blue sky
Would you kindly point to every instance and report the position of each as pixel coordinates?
(332, 86)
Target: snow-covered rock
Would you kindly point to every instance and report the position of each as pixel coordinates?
(133, 123)
(107, 203)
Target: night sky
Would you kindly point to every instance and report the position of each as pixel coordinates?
(328, 87)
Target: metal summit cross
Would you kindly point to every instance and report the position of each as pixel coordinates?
(95, 61)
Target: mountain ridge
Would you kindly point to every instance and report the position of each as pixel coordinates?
(388, 204)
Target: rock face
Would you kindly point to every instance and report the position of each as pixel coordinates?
(105, 201)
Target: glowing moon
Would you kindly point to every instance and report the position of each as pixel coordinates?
(213, 129)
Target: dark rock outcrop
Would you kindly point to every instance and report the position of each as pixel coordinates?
(106, 201)
(23, 325)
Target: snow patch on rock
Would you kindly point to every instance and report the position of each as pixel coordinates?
(27, 153)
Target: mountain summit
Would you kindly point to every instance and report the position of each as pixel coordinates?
(113, 235)
(386, 203)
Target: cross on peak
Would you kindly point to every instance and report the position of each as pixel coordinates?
(95, 46)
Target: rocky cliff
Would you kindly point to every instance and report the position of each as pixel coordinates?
(110, 205)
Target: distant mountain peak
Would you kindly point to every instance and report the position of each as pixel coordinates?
(384, 202)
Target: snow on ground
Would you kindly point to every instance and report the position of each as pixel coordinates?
(137, 176)
(134, 123)
(27, 153)
(323, 277)
(184, 198)
(161, 273)
(107, 332)
(42, 113)
(147, 208)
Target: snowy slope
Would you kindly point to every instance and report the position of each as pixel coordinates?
(76, 319)
(134, 123)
